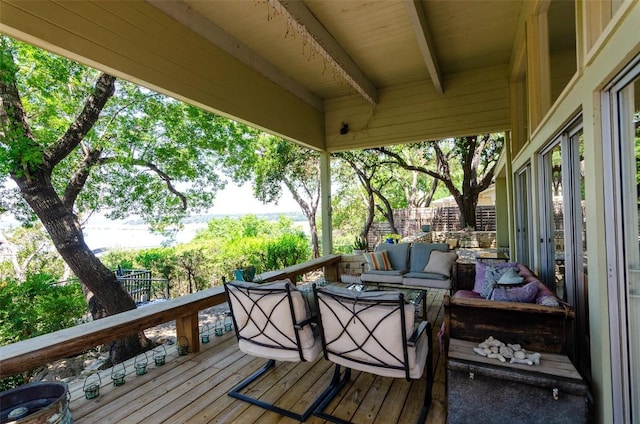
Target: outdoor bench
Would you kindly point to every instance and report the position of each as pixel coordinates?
(537, 325)
(427, 265)
(483, 389)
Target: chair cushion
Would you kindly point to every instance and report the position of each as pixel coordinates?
(511, 277)
(264, 323)
(420, 253)
(467, 294)
(481, 268)
(364, 335)
(425, 276)
(483, 283)
(398, 254)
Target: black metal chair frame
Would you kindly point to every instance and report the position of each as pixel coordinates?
(336, 382)
(395, 305)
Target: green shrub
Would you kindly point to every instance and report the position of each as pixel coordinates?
(38, 307)
(226, 244)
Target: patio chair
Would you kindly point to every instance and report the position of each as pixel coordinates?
(272, 321)
(374, 332)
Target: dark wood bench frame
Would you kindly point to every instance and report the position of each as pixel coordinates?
(536, 327)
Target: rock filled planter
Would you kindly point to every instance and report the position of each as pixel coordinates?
(514, 353)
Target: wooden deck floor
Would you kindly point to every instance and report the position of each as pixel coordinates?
(193, 389)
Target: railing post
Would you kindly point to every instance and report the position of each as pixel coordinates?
(187, 326)
(331, 272)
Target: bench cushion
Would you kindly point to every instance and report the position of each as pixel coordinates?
(374, 276)
(441, 262)
(398, 254)
(417, 281)
(378, 261)
(420, 253)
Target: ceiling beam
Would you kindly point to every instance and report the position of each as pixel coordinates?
(184, 14)
(304, 22)
(423, 36)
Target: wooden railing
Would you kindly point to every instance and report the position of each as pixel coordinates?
(30, 353)
(141, 285)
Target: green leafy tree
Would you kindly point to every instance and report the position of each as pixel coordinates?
(37, 306)
(28, 250)
(251, 241)
(365, 167)
(276, 164)
(191, 261)
(33, 307)
(76, 141)
(476, 155)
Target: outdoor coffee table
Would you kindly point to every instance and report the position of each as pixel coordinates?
(414, 296)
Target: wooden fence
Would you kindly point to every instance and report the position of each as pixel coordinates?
(409, 221)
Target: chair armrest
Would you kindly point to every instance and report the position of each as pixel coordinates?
(312, 319)
(424, 325)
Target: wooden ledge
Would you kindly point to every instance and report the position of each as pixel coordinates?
(17, 357)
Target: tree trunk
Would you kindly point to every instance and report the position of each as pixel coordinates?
(387, 212)
(105, 295)
(432, 192)
(313, 228)
(371, 211)
(467, 205)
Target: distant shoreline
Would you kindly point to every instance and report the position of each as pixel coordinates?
(133, 234)
(102, 234)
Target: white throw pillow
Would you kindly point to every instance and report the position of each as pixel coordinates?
(441, 262)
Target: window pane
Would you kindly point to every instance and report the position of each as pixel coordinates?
(630, 161)
(523, 194)
(561, 19)
(552, 239)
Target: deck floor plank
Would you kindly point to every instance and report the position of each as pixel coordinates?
(393, 404)
(193, 389)
(370, 406)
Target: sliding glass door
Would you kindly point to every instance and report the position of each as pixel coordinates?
(524, 249)
(621, 106)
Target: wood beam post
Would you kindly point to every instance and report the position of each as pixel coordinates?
(325, 203)
(423, 37)
(305, 23)
(187, 327)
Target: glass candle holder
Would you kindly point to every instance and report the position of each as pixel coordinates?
(92, 389)
(228, 323)
(117, 376)
(141, 364)
(183, 346)
(204, 333)
(159, 355)
(219, 325)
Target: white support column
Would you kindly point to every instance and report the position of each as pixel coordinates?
(508, 143)
(325, 204)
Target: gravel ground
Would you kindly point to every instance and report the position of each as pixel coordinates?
(73, 369)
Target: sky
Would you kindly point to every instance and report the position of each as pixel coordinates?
(236, 199)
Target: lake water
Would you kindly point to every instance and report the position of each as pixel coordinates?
(115, 235)
(125, 236)
(101, 233)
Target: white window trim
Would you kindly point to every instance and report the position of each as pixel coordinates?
(618, 306)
